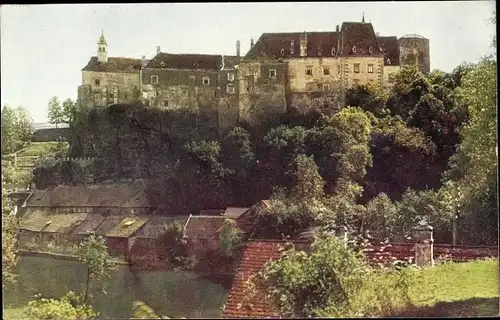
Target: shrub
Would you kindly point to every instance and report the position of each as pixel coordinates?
(230, 238)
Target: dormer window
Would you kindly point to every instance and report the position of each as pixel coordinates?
(370, 49)
(272, 73)
(292, 47)
(282, 52)
(162, 64)
(230, 76)
(97, 82)
(320, 52)
(206, 81)
(154, 79)
(354, 49)
(388, 61)
(332, 52)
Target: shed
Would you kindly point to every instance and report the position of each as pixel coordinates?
(203, 232)
(118, 237)
(87, 226)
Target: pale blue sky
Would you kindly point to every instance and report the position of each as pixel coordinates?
(44, 47)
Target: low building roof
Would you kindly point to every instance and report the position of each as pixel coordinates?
(114, 64)
(90, 224)
(127, 227)
(204, 227)
(255, 256)
(259, 208)
(42, 221)
(234, 212)
(156, 226)
(109, 223)
(128, 195)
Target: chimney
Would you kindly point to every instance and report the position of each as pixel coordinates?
(337, 28)
(238, 48)
(251, 43)
(158, 49)
(303, 44)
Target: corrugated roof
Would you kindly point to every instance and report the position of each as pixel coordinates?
(204, 227)
(90, 224)
(127, 227)
(109, 223)
(130, 195)
(156, 226)
(185, 61)
(38, 221)
(255, 255)
(114, 64)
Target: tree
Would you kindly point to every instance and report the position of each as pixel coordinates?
(56, 113)
(17, 129)
(309, 184)
(140, 310)
(230, 237)
(93, 251)
(9, 240)
(68, 111)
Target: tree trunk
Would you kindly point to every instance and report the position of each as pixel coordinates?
(87, 285)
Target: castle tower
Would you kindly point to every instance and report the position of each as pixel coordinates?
(414, 50)
(102, 49)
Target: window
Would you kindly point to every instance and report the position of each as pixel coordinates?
(309, 71)
(388, 61)
(326, 87)
(292, 47)
(326, 71)
(98, 99)
(206, 81)
(230, 76)
(230, 88)
(165, 103)
(332, 52)
(356, 68)
(272, 73)
(97, 82)
(282, 52)
(370, 68)
(354, 49)
(162, 64)
(370, 49)
(339, 70)
(154, 79)
(157, 93)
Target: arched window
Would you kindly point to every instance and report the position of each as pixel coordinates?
(388, 61)
(282, 52)
(332, 52)
(354, 49)
(370, 49)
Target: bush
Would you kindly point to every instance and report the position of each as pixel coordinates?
(230, 238)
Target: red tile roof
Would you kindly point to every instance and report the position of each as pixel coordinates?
(255, 255)
(186, 61)
(114, 64)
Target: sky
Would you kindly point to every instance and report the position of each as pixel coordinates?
(44, 47)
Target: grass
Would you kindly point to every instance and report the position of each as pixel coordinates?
(455, 289)
(36, 149)
(15, 313)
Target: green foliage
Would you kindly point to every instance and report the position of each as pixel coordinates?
(68, 308)
(371, 98)
(56, 112)
(140, 310)
(17, 129)
(176, 245)
(230, 238)
(93, 251)
(9, 244)
(331, 281)
(309, 183)
(69, 110)
(380, 216)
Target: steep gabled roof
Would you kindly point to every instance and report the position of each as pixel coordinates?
(390, 47)
(114, 64)
(185, 61)
(360, 35)
(278, 45)
(243, 220)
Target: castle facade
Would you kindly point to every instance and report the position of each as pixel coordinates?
(281, 71)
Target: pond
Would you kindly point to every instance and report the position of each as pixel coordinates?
(170, 293)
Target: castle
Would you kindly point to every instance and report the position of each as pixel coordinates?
(281, 71)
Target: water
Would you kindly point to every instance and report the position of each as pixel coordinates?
(170, 293)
